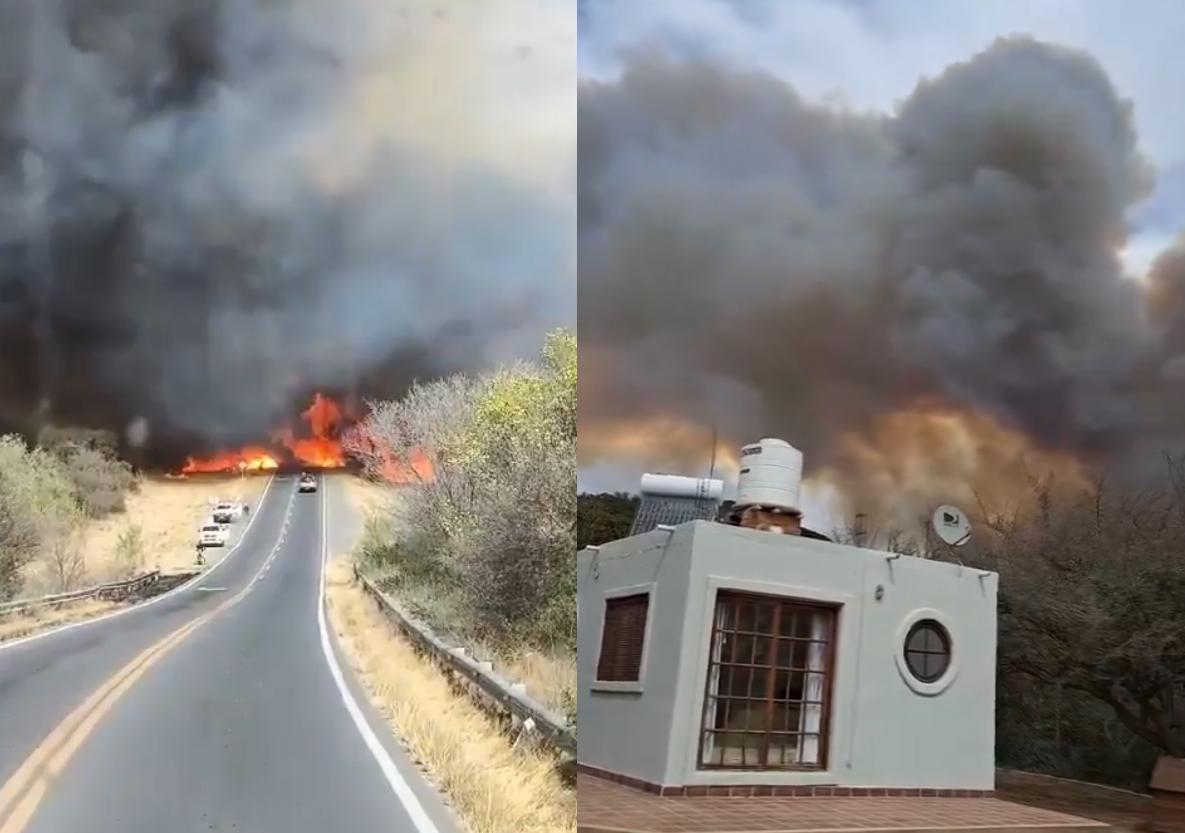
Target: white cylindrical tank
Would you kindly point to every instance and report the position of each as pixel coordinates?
(673, 485)
(770, 476)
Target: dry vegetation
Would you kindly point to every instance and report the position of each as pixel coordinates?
(548, 673)
(167, 512)
(73, 514)
(481, 540)
(156, 530)
(110, 526)
(494, 787)
(18, 625)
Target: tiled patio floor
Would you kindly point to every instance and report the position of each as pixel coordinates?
(605, 807)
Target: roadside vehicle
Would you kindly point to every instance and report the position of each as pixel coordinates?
(228, 512)
(213, 535)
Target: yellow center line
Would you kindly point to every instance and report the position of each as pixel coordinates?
(53, 752)
(23, 792)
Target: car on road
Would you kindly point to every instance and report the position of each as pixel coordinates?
(308, 483)
(213, 535)
(228, 512)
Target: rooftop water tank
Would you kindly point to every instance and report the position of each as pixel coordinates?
(770, 476)
(673, 485)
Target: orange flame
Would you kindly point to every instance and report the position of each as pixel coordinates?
(417, 469)
(251, 458)
(322, 449)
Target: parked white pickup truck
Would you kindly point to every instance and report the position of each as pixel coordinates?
(228, 511)
(213, 535)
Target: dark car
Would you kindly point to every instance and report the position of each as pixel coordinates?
(308, 483)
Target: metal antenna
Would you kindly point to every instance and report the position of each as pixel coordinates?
(712, 464)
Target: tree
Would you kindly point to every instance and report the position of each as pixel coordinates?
(18, 545)
(101, 481)
(604, 517)
(1092, 598)
(40, 510)
(493, 521)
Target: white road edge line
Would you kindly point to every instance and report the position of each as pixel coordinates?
(204, 574)
(403, 791)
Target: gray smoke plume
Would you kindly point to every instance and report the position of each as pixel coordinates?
(209, 208)
(784, 268)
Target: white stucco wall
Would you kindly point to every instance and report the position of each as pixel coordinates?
(628, 731)
(886, 728)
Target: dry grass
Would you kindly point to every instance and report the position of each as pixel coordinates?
(549, 677)
(367, 496)
(493, 787)
(168, 512)
(17, 625)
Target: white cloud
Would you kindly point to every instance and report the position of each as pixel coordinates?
(1142, 248)
(871, 55)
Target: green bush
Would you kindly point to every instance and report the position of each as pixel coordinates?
(493, 532)
(38, 512)
(129, 551)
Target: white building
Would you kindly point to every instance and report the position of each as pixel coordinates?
(717, 655)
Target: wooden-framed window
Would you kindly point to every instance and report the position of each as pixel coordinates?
(623, 638)
(767, 702)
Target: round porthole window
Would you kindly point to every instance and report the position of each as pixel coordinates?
(927, 650)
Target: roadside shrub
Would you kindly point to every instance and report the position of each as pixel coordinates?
(129, 551)
(39, 515)
(494, 526)
(62, 553)
(18, 545)
(101, 481)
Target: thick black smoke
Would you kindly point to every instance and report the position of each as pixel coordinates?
(209, 208)
(780, 267)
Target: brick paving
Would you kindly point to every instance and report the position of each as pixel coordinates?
(606, 807)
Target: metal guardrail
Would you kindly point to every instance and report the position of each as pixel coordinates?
(114, 590)
(509, 698)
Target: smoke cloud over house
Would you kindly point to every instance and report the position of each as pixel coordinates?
(779, 267)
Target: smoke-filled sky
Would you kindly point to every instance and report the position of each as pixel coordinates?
(928, 243)
(209, 208)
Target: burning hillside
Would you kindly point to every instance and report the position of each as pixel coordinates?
(313, 441)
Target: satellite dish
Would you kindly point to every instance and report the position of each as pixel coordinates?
(952, 525)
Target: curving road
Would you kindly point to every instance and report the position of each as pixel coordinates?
(224, 705)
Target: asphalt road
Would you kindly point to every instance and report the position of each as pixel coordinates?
(224, 705)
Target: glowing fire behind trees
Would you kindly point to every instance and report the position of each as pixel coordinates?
(317, 444)
(380, 459)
